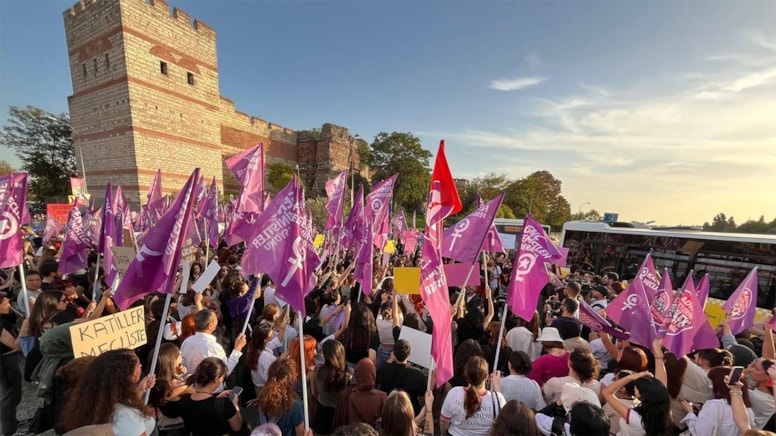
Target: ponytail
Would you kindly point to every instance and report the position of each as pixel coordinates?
(471, 401)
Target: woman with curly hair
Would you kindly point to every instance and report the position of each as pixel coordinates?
(360, 338)
(209, 410)
(471, 410)
(111, 394)
(327, 385)
(277, 402)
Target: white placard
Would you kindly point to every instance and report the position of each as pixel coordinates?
(204, 280)
(185, 273)
(421, 346)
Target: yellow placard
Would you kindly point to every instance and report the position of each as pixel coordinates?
(318, 241)
(716, 314)
(406, 280)
(125, 329)
(390, 247)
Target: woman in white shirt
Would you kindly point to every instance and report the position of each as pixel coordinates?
(259, 356)
(472, 410)
(523, 337)
(716, 416)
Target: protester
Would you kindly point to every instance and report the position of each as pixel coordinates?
(259, 357)
(310, 346)
(364, 403)
(716, 416)
(10, 372)
(277, 403)
(524, 337)
(555, 362)
(398, 418)
(398, 373)
(516, 386)
(203, 344)
(583, 370)
(515, 418)
(328, 383)
(653, 414)
(170, 384)
(471, 410)
(360, 338)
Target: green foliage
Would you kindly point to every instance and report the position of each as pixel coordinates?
(278, 175)
(723, 223)
(402, 153)
(590, 215)
(44, 143)
(317, 209)
(539, 195)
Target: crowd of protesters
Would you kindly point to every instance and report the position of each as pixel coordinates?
(553, 375)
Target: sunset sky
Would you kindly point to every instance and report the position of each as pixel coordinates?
(661, 111)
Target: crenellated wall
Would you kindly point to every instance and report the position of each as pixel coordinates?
(146, 96)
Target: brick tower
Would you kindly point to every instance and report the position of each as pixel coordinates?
(146, 96)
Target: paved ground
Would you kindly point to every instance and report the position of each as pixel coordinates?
(29, 404)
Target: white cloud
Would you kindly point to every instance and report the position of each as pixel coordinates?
(760, 38)
(516, 83)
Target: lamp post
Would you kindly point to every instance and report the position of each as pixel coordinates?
(580, 209)
(80, 150)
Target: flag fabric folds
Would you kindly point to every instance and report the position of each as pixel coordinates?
(13, 213)
(75, 243)
(282, 246)
(647, 280)
(741, 305)
(529, 272)
(686, 321)
(248, 168)
(464, 240)
(335, 190)
(590, 318)
(156, 263)
(493, 242)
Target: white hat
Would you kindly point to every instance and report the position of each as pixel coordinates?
(572, 393)
(549, 334)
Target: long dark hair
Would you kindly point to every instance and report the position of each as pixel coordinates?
(515, 418)
(109, 382)
(465, 351)
(476, 373)
(165, 373)
(720, 389)
(45, 306)
(258, 342)
(334, 372)
(655, 408)
(361, 328)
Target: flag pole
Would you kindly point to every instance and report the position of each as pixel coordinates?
(431, 369)
(250, 306)
(300, 321)
(500, 334)
(24, 287)
(159, 337)
(207, 244)
(96, 278)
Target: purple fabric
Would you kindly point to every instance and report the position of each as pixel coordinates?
(75, 244)
(13, 206)
(248, 168)
(741, 305)
(335, 189)
(648, 281)
(465, 239)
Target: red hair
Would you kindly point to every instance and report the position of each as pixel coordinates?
(309, 353)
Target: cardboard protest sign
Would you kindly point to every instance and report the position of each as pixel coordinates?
(319, 240)
(406, 280)
(207, 276)
(456, 274)
(59, 212)
(421, 346)
(390, 247)
(122, 257)
(124, 329)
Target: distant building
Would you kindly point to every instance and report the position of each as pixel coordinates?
(146, 96)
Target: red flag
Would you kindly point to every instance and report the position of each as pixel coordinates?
(443, 198)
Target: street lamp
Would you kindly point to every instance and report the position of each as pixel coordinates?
(80, 149)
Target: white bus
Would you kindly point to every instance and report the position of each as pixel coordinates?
(727, 257)
(509, 230)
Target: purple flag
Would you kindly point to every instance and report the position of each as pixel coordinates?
(355, 222)
(53, 229)
(493, 242)
(108, 236)
(660, 306)
(464, 240)
(400, 223)
(155, 202)
(364, 266)
(529, 273)
(635, 316)
(94, 227)
(647, 281)
(122, 216)
(433, 288)
(209, 213)
(13, 206)
(410, 239)
(73, 248)
(703, 288)
(335, 189)
(705, 337)
(378, 202)
(741, 305)
(282, 246)
(687, 319)
(248, 168)
(155, 265)
(590, 318)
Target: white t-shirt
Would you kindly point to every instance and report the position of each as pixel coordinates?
(477, 424)
(762, 406)
(554, 386)
(522, 388)
(521, 339)
(631, 426)
(259, 375)
(128, 421)
(715, 418)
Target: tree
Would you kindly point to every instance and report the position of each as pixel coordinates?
(539, 195)
(402, 153)
(317, 209)
(590, 215)
(44, 143)
(5, 168)
(278, 175)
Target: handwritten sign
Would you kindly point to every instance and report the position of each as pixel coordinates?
(59, 212)
(189, 253)
(121, 330)
(406, 280)
(122, 257)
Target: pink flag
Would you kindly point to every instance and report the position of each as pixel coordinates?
(660, 306)
(433, 288)
(248, 168)
(635, 316)
(155, 265)
(355, 222)
(75, 243)
(53, 229)
(154, 197)
(590, 318)
(740, 306)
(687, 319)
(648, 282)
(400, 223)
(335, 189)
(410, 239)
(493, 242)
(465, 239)
(703, 290)
(364, 258)
(705, 337)
(529, 273)
(208, 212)
(122, 216)
(378, 202)
(13, 206)
(109, 236)
(94, 227)
(283, 246)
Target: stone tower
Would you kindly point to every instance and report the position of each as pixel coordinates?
(146, 96)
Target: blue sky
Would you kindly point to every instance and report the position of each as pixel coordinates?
(660, 111)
